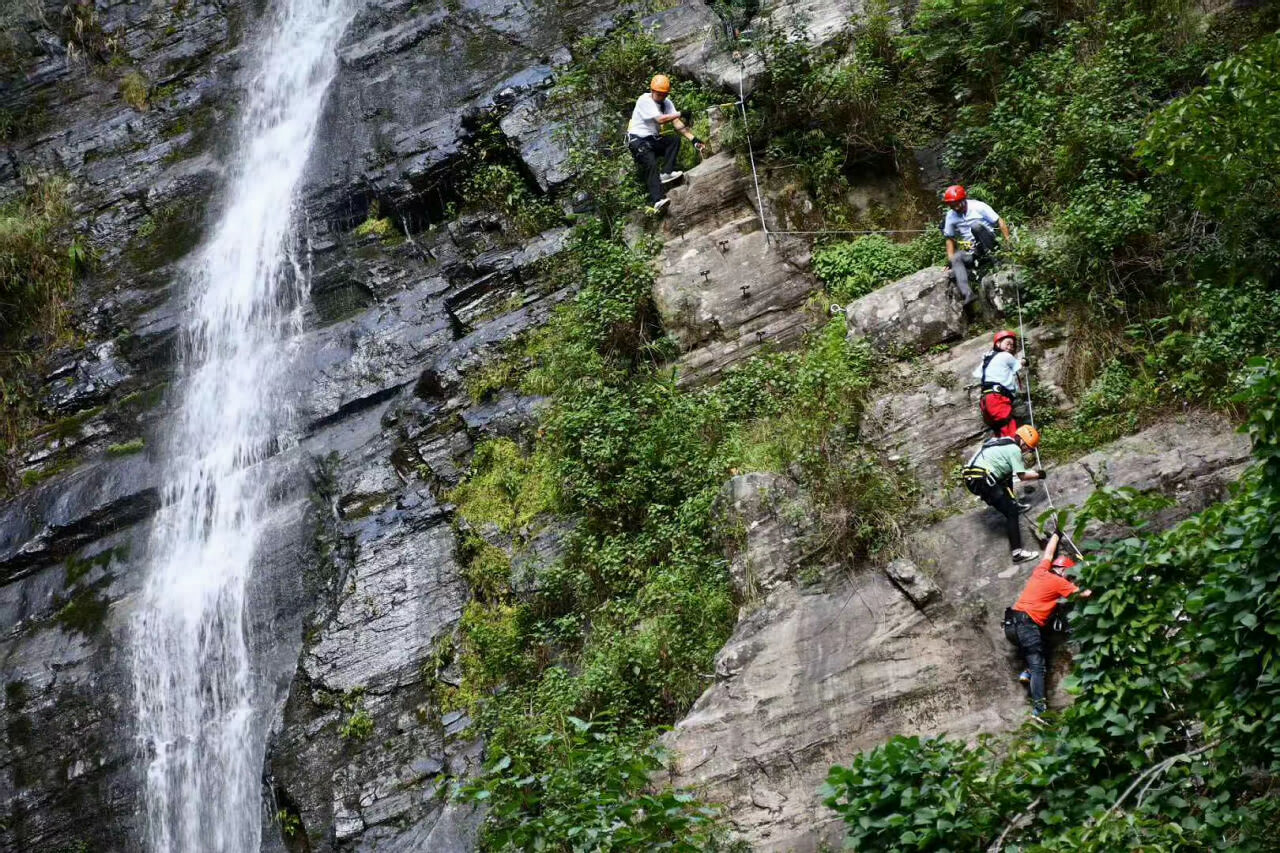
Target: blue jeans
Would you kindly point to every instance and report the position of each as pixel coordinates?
(1031, 642)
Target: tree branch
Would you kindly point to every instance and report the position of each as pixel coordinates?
(999, 842)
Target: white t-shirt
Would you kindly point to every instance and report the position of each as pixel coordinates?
(1003, 368)
(644, 118)
(962, 223)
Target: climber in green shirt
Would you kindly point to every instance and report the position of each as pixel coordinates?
(990, 473)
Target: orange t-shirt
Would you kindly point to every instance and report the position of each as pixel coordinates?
(1042, 592)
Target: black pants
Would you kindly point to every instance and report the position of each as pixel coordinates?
(1035, 650)
(966, 261)
(649, 152)
(1000, 496)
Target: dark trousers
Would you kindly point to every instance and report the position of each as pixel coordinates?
(1034, 648)
(984, 243)
(655, 154)
(1000, 496)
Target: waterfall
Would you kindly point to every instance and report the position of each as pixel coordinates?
(202, 711)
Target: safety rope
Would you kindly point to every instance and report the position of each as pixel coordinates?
(755, 178)
(1031, 416)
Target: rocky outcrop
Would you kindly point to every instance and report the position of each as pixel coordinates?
(911, 315)
(724, 287)
(812, 676)
(771, 527)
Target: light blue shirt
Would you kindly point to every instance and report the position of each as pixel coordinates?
(962, 223)
(1003, 368)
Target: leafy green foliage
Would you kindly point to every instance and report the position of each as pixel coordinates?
(827, 111)
(1221, 144)
(857, 267)
(913, 794)
(1172, 742)
(592, 795)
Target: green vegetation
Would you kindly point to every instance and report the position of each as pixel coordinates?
(358, 724)
(855, 268)
(39, 260)
(376, 226)
(290, 823)
(1144, 182)
(136, 90)
(127, 448)
(1172, 741)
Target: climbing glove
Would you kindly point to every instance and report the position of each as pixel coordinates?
(1040, 473)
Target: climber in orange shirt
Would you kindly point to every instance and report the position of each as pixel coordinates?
(1032, 612)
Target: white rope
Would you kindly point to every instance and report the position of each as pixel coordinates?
(755, 178)
(751, 154)
(1031, 416)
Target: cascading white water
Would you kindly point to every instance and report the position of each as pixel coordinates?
(200, 707)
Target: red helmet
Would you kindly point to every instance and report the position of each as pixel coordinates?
(1001, 335)
(955, 192)
(1064, 562)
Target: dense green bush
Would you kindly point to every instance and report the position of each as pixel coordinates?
(1173, 740)
(857, 267)
(588, 785)
(1220, 145)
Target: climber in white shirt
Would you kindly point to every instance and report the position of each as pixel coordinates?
(649, 146)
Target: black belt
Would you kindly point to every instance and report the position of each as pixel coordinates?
(996, 388)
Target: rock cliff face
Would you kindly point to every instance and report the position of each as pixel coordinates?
(362, 581)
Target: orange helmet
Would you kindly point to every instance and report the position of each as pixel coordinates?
(1030, 436)
(1000, 336)
(660, 83)
(955, 192)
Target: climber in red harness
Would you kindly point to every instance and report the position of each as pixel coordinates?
(998, 380)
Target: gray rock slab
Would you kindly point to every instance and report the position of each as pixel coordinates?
(69, 511)
(385, 348)
(910, 315)
(771, 524)
(806, 681)
(724, 288)
(404, 591)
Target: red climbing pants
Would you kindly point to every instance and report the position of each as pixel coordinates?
(997, 413)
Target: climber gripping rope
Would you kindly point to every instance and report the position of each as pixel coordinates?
(990, 474)
(970, 240)
(997, 377)
(1026, 623)
(654, 151)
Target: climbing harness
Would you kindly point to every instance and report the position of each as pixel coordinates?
(979, 480)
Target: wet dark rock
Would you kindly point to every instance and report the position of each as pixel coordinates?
(85, 382)
(61, 515)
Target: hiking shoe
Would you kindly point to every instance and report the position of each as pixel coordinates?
(1025, 676)
(661, 205)
(1020, 554)
(669, 177)
(969, 300)
(1038, 718)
